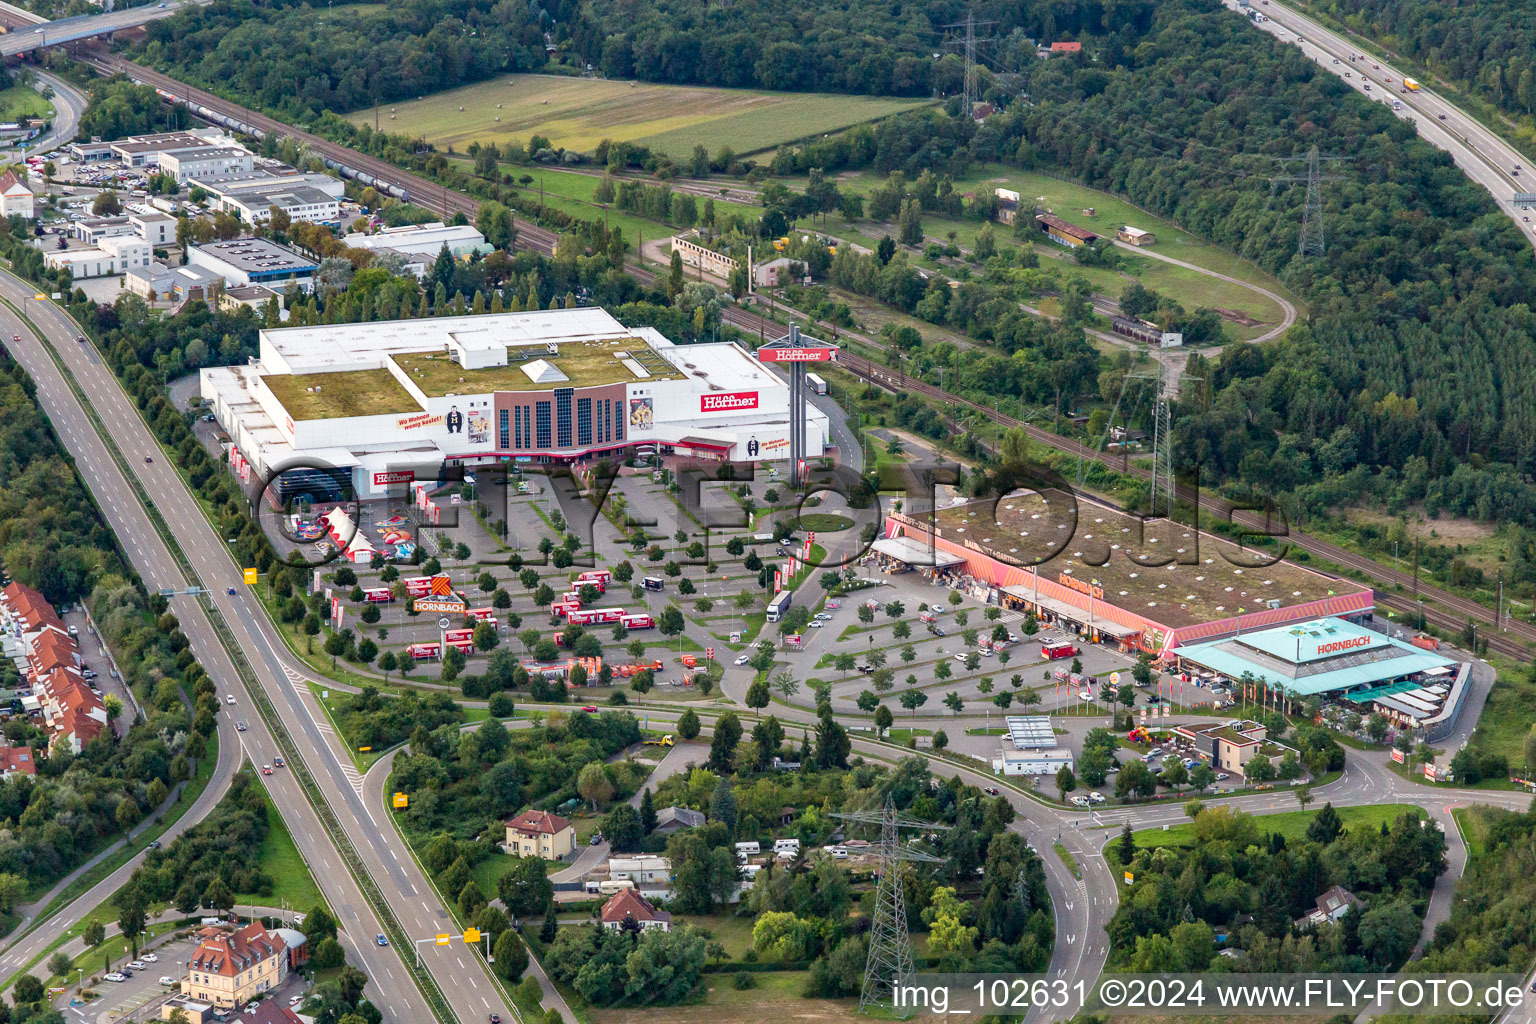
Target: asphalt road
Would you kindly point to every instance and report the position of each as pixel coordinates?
(69, 29)
(68, 104)
(1482, 155)
(387, 859)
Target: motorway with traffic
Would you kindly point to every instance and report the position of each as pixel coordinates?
(88, 26)
(1482, 155)
(1083, 905)
(388, 861)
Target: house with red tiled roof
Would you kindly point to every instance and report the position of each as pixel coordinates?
(73, 713)
(15, 197)
(1066, 47)
(627, 904)
(540, 834)
(232, 968)
(17, 759)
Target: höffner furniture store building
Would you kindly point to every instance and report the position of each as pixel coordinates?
(392, 402)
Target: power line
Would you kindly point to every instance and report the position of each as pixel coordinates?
(889, 964)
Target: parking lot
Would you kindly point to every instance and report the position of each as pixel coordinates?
(139, 996)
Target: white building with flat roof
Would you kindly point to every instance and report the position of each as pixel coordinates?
(187, 164)
(394, 402)
(242, 261)
(114, 254)
(425, 240)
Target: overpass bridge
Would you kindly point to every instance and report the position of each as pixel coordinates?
(30, 32)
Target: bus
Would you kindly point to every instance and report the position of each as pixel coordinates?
(818, 386)
(653, 583)
(779, 605)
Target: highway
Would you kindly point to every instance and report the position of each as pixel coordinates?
(1482, 155)
(69, 30)
(386, 858)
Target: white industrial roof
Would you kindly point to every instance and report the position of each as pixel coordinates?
(325, 347)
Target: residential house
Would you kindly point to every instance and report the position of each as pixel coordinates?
(231, 968)
(1333, 904)
(540, 834)
(674, 819)
(15, 197)
(627, 905)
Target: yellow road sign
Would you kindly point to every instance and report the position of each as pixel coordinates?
(250, 575)
(472, 935)
(401, 800)
(444, 938)
(40, 297)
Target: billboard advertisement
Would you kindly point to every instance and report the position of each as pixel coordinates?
(394, 476)
(825, 354)
(642, 414)
(728, 401)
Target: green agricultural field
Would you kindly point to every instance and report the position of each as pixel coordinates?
(578, 113)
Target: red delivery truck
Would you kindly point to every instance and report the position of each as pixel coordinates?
(463, 646)
(453, 635)
(482, 613)
(1058, 650)
(418, 586)
(379, 594)
(638, 622)
(423, 651)
(595, 576)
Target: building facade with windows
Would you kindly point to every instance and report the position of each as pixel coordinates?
(231, 968)
(387, 404)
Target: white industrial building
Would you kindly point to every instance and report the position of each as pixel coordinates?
(1031, 762)
(251, 195)
(243, 261)
(389, 403)
(201, 161)
(115, 254)
(425, 240)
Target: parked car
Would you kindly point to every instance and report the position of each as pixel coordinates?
(151, 958)
(137, 965)
(1222, 776)
(166, 979)
(154, 844)
(1095, 798)
(116, 976)
(990, 790)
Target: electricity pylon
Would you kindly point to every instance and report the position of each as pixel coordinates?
(1310, 242)
(889, 964)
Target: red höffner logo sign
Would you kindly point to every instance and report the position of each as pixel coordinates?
(729, 401)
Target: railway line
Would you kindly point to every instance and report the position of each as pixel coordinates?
(1397, 589)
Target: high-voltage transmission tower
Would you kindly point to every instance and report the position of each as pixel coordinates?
(969, 46)
(1310, 243)
(889, 965)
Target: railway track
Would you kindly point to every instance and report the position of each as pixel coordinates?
(1452, 612)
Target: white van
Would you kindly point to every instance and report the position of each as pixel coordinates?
(751, 849)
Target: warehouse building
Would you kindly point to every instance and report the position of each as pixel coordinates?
(245, 261)
(1031, 762)
(385, 404)
(424, 240)
(1326, 657)
(1088, 569)
(1063, 233)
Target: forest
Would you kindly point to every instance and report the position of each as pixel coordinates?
(51, 537)
(1492, 925)
(1487, 49)
(1240, 888)
(291, 57)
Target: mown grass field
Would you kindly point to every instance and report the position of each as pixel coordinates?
(21, 101)
(1071, 202)
(1290, 824)
(578, 113)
